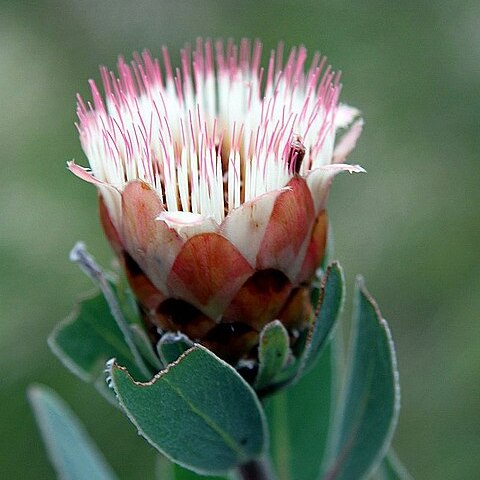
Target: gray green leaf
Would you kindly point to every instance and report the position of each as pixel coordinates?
(273, 353)
(299, 420)
(329, 307)
(89, 266)
(369, 406)
(198, 412)
(71, 451)
(88, 338)
(144, 346)
(172, 345)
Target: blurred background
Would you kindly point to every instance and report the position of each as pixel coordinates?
(411, 226)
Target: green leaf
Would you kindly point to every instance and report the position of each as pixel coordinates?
(144, 346)
(273, 353)
(172, 345)
(88, 338)
(89, 266)
(299, 419)
(71, 451)
(330, 304)
(198, 412)
(369, 405)
(391, 468)
(126, 299)
(308, 349)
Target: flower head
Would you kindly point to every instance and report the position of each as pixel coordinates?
(213, 180)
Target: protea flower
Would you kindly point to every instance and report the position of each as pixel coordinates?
(213, 180)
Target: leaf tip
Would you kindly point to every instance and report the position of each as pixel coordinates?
(77, 252)
(34, 392)
(367, 296)
(335, 264)
(360, 281)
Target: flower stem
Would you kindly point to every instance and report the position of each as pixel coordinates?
(259, 469)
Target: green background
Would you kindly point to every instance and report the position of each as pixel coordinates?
(411, 226)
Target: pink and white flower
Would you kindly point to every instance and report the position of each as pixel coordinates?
(213, 180)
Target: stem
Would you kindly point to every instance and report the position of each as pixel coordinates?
(281, 441)
(259, 469)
